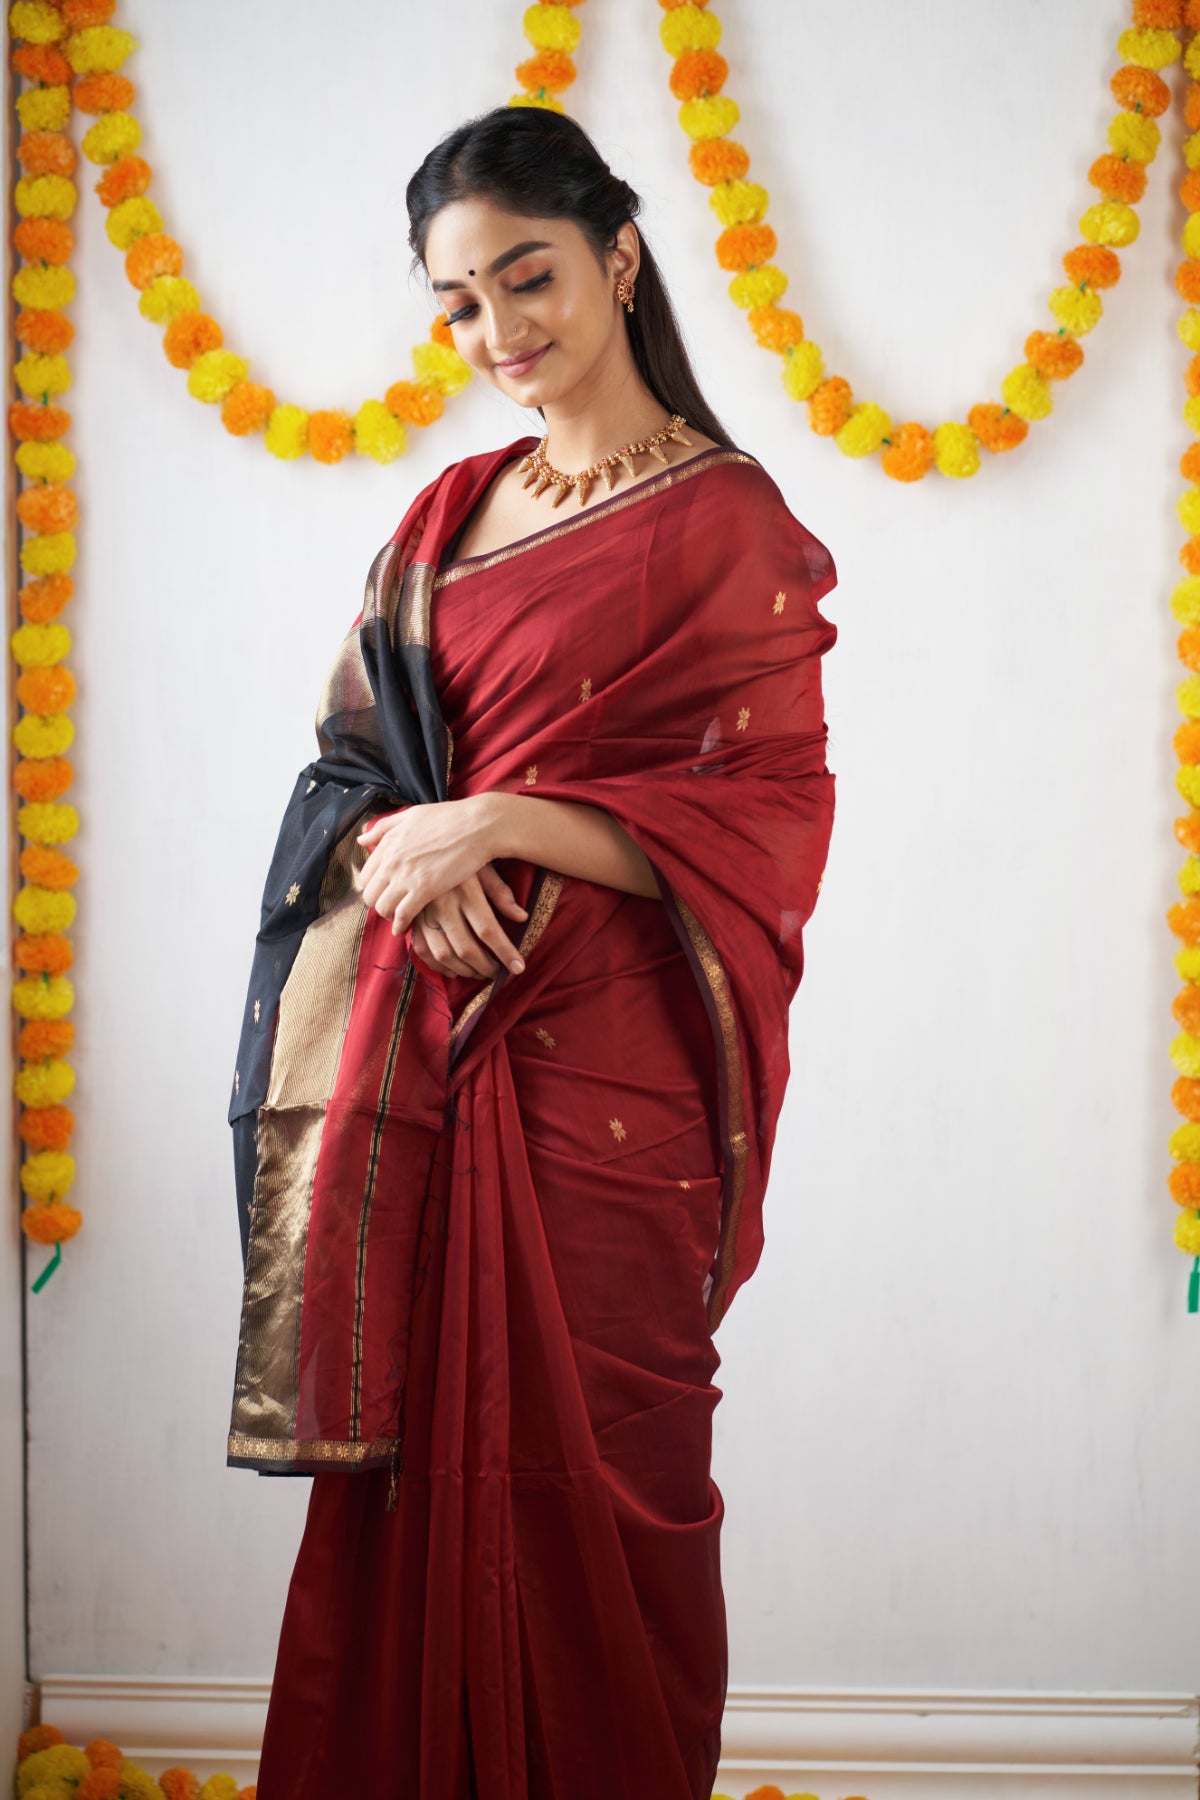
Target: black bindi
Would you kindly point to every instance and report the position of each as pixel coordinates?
(470, 271)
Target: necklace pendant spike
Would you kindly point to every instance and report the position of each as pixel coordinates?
(680, 439)
(564, 488)
(530, 478)
(607, 473)
(543, 481)
(583, 487)
(655, 451)
(526, 462)
(627, 459)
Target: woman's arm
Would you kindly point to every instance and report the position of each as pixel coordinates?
(559, 834)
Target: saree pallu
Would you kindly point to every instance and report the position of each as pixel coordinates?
(491, 1225)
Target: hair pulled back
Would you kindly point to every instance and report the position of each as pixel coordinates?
(539, 163)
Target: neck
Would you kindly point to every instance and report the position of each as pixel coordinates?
(595, 419)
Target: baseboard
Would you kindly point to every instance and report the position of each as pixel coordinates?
(882, 1743)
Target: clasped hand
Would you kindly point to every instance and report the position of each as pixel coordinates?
(423, 855)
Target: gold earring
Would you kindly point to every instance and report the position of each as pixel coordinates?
(625, 293)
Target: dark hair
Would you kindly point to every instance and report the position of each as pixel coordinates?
(531, 160)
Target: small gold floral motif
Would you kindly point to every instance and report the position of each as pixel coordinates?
(531, 775)
(617, 1129)
(293, 893)
(780, 598)
(237, 1081)
(257, 1005)
(686, 1184)
(743, 718)
(585, 688)
(546, 1038)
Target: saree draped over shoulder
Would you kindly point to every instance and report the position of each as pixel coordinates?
(489, 1226)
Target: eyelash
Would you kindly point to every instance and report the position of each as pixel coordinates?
(537, 282)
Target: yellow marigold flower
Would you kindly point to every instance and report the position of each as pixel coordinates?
(166, 296)
(50, 553)
(1188, 327)
(1191, 145)
(39, 374)
(1184, 1142)
(1187, 1233)
(132, 219)
(45, 197)
(803, 369)
(47, 822)
(43, 734)
(45, 462)
(214, 373)
(546, 101)
(1191, 413)
(47, 1175)
(1187, 696)
(37, 646)
(48, 288)
(38, 909)
(1185, 1054)
(61, 1767)
(44, 1084)
(1027, 393)
(286, 435)
(378, 433)
(224, 1787)
(758, 287)
(1076, 309)
(1110, 222)
(550, 27)
(1187, 511)
(438, 366)
(36, 22)
(864, 431)
(1189, 876)
(137, 1785)
(1186, 591)
(99, 49)
(44, 109)
(1134, 135)
(1148, 49)
(1187, 780)
(955, 449)
(689, 28)
(1191, 234)
(114, 134)
(709, 116)
(739, 202)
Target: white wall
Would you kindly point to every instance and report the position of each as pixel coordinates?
(957, 1443)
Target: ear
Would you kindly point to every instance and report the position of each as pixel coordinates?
(625, 258)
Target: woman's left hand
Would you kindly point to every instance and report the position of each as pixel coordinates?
(420, 852)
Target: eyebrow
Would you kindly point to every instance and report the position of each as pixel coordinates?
(501, 262)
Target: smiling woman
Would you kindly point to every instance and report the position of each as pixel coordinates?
(515, 1040)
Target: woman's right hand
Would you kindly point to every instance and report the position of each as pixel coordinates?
(472, 941)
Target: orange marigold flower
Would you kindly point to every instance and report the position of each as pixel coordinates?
(829, 405)
(1186, 742)
(53, 1222)
(49, 690)
(102, 1753)
(247, 407)
(48, 506)
(1184, 920)
(1187, 280)
(698, 72)
(45, 1127)
(1189, 555)
(1191, 375)
(718, 159)
(1191, 105)
(43, 63)
(1189, 462)
(43, 777)
(48, 868)
(1183, 1183)
(1094, 264)
(189, 335)
(43, 598)
(1140, 90)
(179, 1784)
(1186, 1008)
(330, 435)
(248, 1793)
(1053, 354)
(775, 327)
(79, 14)
(103, 1783)
(38, 422)
(1118, 180)
(44, 330)
(909, 454)
(38, 1737)
(996, 428)
(47, 153)
(151, 256)
(103, 93)
(1188, 647)
(122, 180)
(44, 240)
(1189, 187)
(552, 70)
(415, 404)
(44, 952)
(441, 333)
(670, 5)
(1187, 830)
(1158, 15)
(746, 246)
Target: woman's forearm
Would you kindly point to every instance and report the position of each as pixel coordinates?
(563, 835)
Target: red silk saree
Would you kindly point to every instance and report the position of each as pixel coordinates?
(490, 1225)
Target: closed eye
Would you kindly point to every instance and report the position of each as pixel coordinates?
(525, 287)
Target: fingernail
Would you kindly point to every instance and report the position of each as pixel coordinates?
(518, 964)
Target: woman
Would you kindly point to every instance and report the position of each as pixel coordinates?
(515, 1041)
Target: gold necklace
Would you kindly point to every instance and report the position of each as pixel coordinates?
(546, 476)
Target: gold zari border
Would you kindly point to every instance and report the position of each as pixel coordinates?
(333, 1450)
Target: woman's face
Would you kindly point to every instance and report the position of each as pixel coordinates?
(535, 324)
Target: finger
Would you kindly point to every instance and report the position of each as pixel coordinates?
(500, 894)
(490, 932)
(441, 960)
(464, 943)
